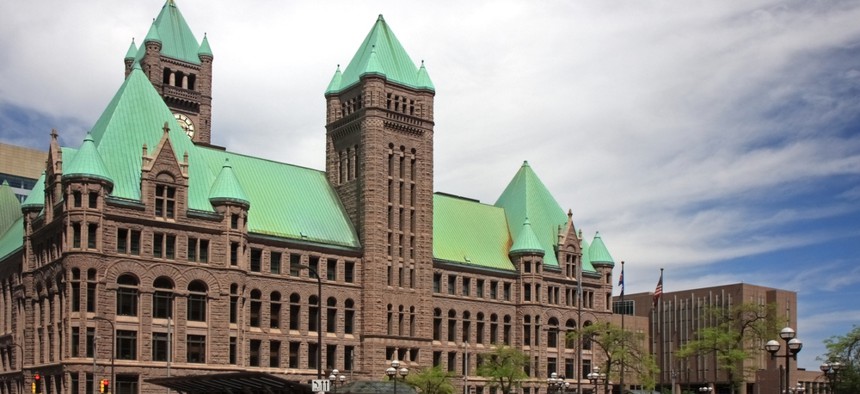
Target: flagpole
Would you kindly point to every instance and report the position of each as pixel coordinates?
(579, 323)
(623, 332)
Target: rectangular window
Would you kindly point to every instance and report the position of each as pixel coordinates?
(312, 355)
(452, 284)
(256, 259)
(158, 245)
(349, 272)
(165, 201)
(507, 291)
(76, 199)
(163, 246)
(91, 297)
(467, 286)
(452, 361)
(76, 383)
(275, 354)
(331, 269)
(92, 237)
(275, 262)
(162, 304)
(254, 357)
(314, 263)
(494, 286)
(196, 348)
(122, 240)
(437, 282)
(170, 247)
(76, 235)
(479, 288)
(294, 354)
(234, 253)
(234, 222)
(348, 354)
(93, 200)
(295, 262)
(126, 345)
(192, 249)
(126, 301)
(76, 296)
(91, 340)
(134, 246)
(232, 354)
(76, 341)
(331, 354)
(159, 346)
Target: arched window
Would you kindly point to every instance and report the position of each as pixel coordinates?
(570, 326)
(126, 295)
(197, 301)
(400, 320)
(349, 317)
(479, 329)
(494, 329)
(295, 311)
(313, 313)
(275, 310)
(389, 317)
(552, 332)
(331, 315)
(507, 330)
(162, 298)
(586, 341)
(467, 326)
(256, 304)
(412, 321)
(92, 286)
(437, 324)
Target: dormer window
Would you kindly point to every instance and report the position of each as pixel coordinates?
(165, 201)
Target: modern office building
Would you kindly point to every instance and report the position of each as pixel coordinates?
(20, 167)
(147, 252)
(676, 318)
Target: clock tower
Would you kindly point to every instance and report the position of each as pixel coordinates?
(180, 69)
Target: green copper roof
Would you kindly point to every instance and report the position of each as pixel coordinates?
(468, 232)
(586, 258)
(87, 163)
(177, 40)
(527, 197)
(424, 81)
(12, 239)
(151, 35)
(382, 54)
(132, 50)
(10, 207)
(598, 252)
(527, 242)
(36, 198)
(227, 188)
(334, 85)
(135, 117)
(204, 50)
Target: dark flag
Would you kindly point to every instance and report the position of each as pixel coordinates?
(658, 292)
(621, 279)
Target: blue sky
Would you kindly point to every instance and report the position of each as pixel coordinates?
(717, 140)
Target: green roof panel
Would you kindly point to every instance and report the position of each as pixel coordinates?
(527, 242)
(468, 232)
(87, 163)
(132, 50)
(527, 197)
(381, 53)
(10, 207)
(36, 198)
(12, 239)
(177, 40)
(204, 50)
(598, 252)
(586, 258)
(227, 188)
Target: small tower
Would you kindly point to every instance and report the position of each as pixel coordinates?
(86, 183)
(230, 201)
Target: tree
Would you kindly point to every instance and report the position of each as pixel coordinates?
(504, 368)
(732, 335)
(433, 380)
(846, 350)
(620, 348)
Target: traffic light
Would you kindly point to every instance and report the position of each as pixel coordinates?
(102, 386)
(107, 386)
(37, 384)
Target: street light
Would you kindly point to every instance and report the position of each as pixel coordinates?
(335, 377)
(394, 370)
(557, 383)
(112, 349)
(792, 347)
(831, 372)
(319, 315)
(596, 377)
(706, 389)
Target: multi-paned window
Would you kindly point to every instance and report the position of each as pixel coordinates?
(198, 250)
(163, 246)
(128, 241)
(126, 295)
(275, 262)
(197, 301)
(159, 346)
(162, 298)
(126, 345)
(195, 348)
(165, 201)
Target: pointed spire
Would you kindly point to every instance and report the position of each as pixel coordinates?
(132, 50)
(424, 81)
(172, 32)
(152, 34)
(527, 242)
(36, 199)
(373, 66)
(598, 254)
(204, 50)
(227, 188)
(87, 163)
(334, 85)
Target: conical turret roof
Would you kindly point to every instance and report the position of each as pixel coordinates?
(87, 163)
(527, 197)
(334, 85)
(36, 198)
(227, 187)
(527, 242)
(382, 54)
(598, 254)
(204, 50)
(177, 40)
(132, 50)
(10, 207)
(586, 258)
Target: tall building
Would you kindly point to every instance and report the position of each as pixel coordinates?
(20, 167)
(677, 318)
(145, 252)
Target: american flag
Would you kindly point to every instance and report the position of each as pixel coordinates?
(659, 290)
(621, 279)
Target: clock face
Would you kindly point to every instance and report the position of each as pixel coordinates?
(186, 124)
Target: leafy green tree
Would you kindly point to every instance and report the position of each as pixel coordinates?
(433, 380)
(846, 350)
(504, 368)
(735, 335)
(620, 348)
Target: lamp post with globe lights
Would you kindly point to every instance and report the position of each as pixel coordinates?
(596, 378)
(557, 383)
(394, 370)
(792, 347)
(706, 389)
(336, 378)
(831, 372)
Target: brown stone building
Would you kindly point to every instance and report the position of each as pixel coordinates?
(146, 252)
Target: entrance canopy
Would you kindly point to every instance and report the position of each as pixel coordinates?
(232, 383)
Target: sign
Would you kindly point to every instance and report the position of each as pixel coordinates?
(320, 385)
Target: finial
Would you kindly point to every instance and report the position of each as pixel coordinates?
(569, 213)
(54, 133)
(185, 157)
(166, 128)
